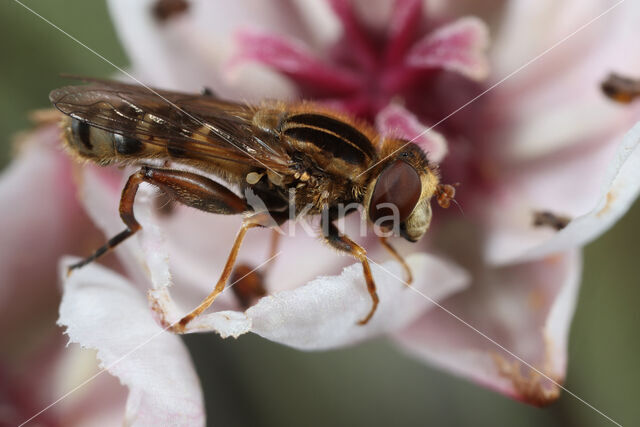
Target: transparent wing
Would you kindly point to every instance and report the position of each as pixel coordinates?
(201, 125)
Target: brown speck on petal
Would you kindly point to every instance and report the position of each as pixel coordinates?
(549, 219)
(611, 197)
(163, 10)
(157, 310)
(537, 300)
(620, 88)
(530, 386)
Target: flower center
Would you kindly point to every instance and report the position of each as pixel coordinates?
(430, 70)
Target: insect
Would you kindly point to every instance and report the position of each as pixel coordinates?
(621, 88)
(274, 150)
(549, 219)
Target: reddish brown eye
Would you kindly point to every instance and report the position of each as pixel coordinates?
(398, 184)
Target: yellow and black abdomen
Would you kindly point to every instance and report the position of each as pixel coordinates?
(333, 136)
(104, 147)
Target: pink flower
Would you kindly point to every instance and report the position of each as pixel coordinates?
(42, 219)
(544, 144)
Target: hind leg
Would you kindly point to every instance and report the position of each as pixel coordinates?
(184, 187)
(126, 213)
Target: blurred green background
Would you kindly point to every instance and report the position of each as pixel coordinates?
(253, 381)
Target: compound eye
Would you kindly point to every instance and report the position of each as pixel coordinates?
(399, 184)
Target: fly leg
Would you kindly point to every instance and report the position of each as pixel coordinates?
(222, 281)
(345, 244)
(126, 213)
(394, 253)
(248, 282)
(187, 188)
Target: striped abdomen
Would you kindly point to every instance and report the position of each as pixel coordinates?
(104, 147)
(333, 136)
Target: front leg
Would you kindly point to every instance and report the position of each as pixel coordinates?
(345, 244)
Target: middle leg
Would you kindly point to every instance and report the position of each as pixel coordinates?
(248, 284)
(345, 244)
(222, 281)
(398, 258)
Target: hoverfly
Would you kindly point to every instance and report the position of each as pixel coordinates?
(269, 149)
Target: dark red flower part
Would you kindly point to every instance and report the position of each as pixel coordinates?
(364, 71)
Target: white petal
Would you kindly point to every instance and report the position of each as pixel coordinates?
(41, 220)
(619, 187)
(102, 311)
(100, 402)
(318, 18)
(225, 323)
(324, 313)
(525, 309)
(520, 39)
(556, 102)
(188, 51)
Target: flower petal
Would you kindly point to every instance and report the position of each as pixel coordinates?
(395, 120)
(460, 46)
(101, 310)
(291, 58)
(588, 30)
(526, 309)
(595, 205)
(41, 220)
(556, 102)
(188, 51)
(48, 371)
(324, 313)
